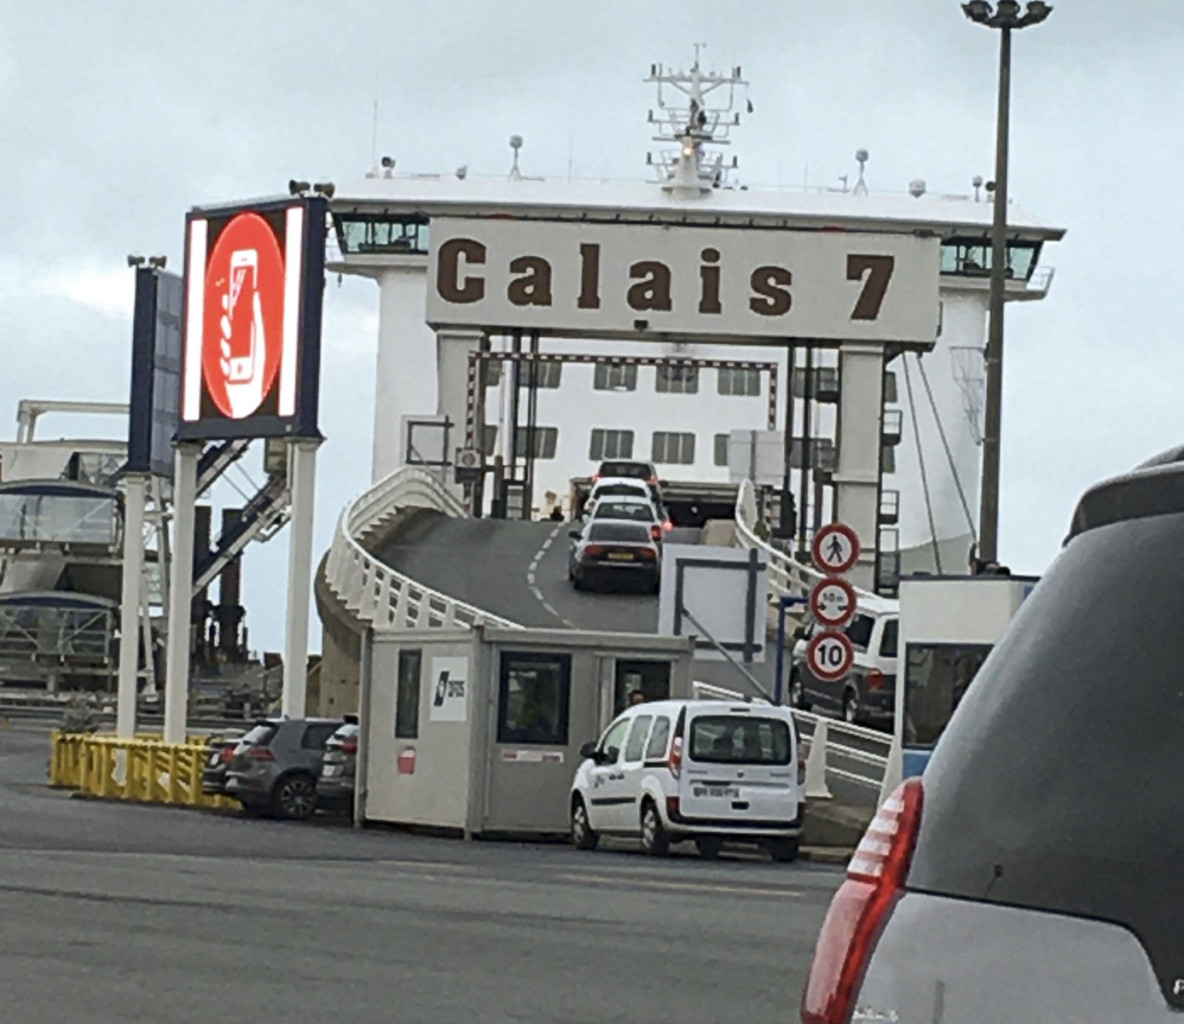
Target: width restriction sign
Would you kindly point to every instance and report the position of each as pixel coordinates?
(835, 549)
(832, 602)
(829, 656)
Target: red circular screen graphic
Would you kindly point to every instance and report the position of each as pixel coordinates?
(244, 314)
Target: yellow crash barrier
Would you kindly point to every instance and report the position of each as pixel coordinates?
(144, 769)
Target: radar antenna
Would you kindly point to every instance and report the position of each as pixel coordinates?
(695, 112)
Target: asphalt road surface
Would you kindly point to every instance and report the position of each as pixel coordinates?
(121, 913)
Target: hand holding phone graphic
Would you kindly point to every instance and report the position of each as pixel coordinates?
(244, 344)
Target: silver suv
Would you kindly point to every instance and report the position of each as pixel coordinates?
(1035, 872)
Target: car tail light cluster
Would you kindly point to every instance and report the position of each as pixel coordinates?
(648, 554)
(260, 754)
(875, 679)
(861, 908)
(227, 755)
(674, 761)
(594, 549)
(655, 532)
(349, 746)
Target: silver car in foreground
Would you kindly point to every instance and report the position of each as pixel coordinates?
(1035, 873)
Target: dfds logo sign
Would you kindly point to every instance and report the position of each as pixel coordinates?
(253, 283)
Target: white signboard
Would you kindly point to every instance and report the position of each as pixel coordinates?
(450, 690)
(572, 278)
(710, 592)
(756, 455)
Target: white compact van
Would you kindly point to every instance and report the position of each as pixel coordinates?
(707, 770)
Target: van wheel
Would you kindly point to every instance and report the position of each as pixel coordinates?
(709, 847)
(582, 836)
(783, 850)
(850, 707)
(797, 692)
(654, 840)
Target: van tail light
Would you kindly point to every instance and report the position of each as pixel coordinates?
(667, 525)
(801, 770)
(861, 908)
(349, 746)
(875, 679)
(674, 761)
(260, 754)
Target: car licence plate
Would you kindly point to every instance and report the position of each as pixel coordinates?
(330, 770)
(213, 761)
(621, 556)
(725, 791)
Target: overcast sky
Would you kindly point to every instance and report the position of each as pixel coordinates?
(118, 116)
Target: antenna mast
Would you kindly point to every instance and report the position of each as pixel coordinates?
(694, 112)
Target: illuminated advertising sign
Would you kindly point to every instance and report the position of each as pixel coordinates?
(579, 279)
(254, 277)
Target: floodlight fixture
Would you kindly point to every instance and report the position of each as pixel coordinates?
(157, 262)
(135, 261)
(296, 188)
(325, 188)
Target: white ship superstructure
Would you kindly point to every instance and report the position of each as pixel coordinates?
(679, 416)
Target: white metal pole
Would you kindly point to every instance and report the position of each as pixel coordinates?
(302, 462)
(129, 608)
(176, 687)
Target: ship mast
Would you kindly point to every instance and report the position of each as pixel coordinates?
(696, 110)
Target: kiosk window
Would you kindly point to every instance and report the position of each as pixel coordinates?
(936, 678)
(636, 744)
(533, 697)
(407, 696)
(656, 748)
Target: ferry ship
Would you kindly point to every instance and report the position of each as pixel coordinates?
(676, 403)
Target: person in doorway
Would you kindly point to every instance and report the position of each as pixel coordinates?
(636, 697)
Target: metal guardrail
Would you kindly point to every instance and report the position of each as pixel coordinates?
(143, 769)
(378, 594)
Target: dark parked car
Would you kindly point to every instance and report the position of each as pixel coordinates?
(335, 787)
(219, 754)
(1034, 872)
(612, 552)
(276, 766)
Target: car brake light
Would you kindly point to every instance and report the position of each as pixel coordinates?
(260, 754)
(875, 679)
(674, 761)
(227, 755)
(594, 549)
(648, 554)
(861, 907)
(349, 746)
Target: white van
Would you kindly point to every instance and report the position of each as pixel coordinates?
(707, 770)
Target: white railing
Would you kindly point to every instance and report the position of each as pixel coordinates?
(787, 577)
(835, 749)
(376, 593)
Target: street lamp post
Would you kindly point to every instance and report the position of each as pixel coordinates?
(1005, 16)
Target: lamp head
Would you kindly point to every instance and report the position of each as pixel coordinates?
(977, 10)
(1038, 10)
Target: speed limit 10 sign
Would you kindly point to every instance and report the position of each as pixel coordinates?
(830, 656)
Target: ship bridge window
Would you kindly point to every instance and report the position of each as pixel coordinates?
(610, 444)
(58, 515)
(546, 439)
(971, 257)
(544, 375)
(677, 379)
(721, 449)
(733, 380)
(381, 233)
(615, 377)
(672, 448)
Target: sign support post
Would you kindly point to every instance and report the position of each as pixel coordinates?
(136, 489)
(302, 462)
(176, 687)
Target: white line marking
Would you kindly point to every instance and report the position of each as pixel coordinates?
(532, 567)
(530, 578)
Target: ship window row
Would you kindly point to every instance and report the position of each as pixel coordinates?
(971, 257)
(670, 379)
(383, 234)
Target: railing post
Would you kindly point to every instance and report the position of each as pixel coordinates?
(816, 787)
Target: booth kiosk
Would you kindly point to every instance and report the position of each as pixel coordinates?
(478, 731)
(948, 625)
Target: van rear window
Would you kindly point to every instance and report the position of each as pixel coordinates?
(732, 739)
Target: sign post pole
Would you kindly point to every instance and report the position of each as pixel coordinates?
(176, 688)
(136, 488)
(302, 462)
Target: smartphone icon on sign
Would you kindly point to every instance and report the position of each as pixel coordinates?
(239, 349)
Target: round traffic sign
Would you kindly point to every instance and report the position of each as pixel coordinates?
(244, 314)
(832, 601)
(830, 655)
(835, 548)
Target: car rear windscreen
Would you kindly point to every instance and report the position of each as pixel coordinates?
(260, 735)
(625, 533)
(634, 469)
(1059, 784)
(739, 739)
(609, 509)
